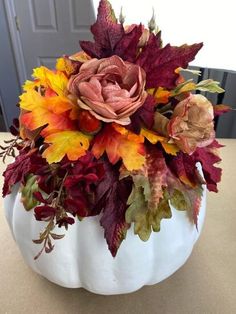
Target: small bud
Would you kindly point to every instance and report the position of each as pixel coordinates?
(121, 16)
(152, 23)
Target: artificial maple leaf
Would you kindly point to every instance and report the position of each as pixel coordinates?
(67, 66)
(127, 47)
(184, 167)
(55, 113)
(72, 144)
(208, 156)
(144, 116)
(112, 196)
(106, 32)
(55, 80)
(153, 138)
(113, 218)
(118, 143)
(160, 63)
(28, 161)
(160, 94)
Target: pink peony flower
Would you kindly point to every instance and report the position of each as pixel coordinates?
(110, 88)
(191, 124)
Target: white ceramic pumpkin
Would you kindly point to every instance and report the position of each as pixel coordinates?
(82, 259)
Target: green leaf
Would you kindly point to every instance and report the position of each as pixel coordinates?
(148, 201)
(163, 211)
(143, 182)
(27, 197)
(204, 86)
(209, 86)
(146, 220)
(194, 72)
(178, 200)
(137, 213)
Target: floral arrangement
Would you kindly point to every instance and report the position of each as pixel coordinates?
(114, 131)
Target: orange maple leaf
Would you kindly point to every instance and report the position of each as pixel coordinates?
(56, 112)
(160, 94)
(118, 143)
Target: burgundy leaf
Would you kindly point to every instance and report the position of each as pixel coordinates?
(16, 123)
(127, 47)
(65, 221)
(44, 212)
(25, 163)
(160, 63)
(207, 157)
(184, 168)
(144, 116)
(111, 197)
(39, 197)
(113, 218)
(77, 206)
(106, 32)
(13, 130)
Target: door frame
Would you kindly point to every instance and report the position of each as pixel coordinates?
(14, 29)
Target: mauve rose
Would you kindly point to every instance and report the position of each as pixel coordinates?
(191, 124)
(110, 88)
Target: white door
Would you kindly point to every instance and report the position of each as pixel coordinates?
(50, 28)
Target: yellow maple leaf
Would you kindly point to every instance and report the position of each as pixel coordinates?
(153, 137)
(65, 65)
(170, 148)
(74, 144)
(56, 80)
